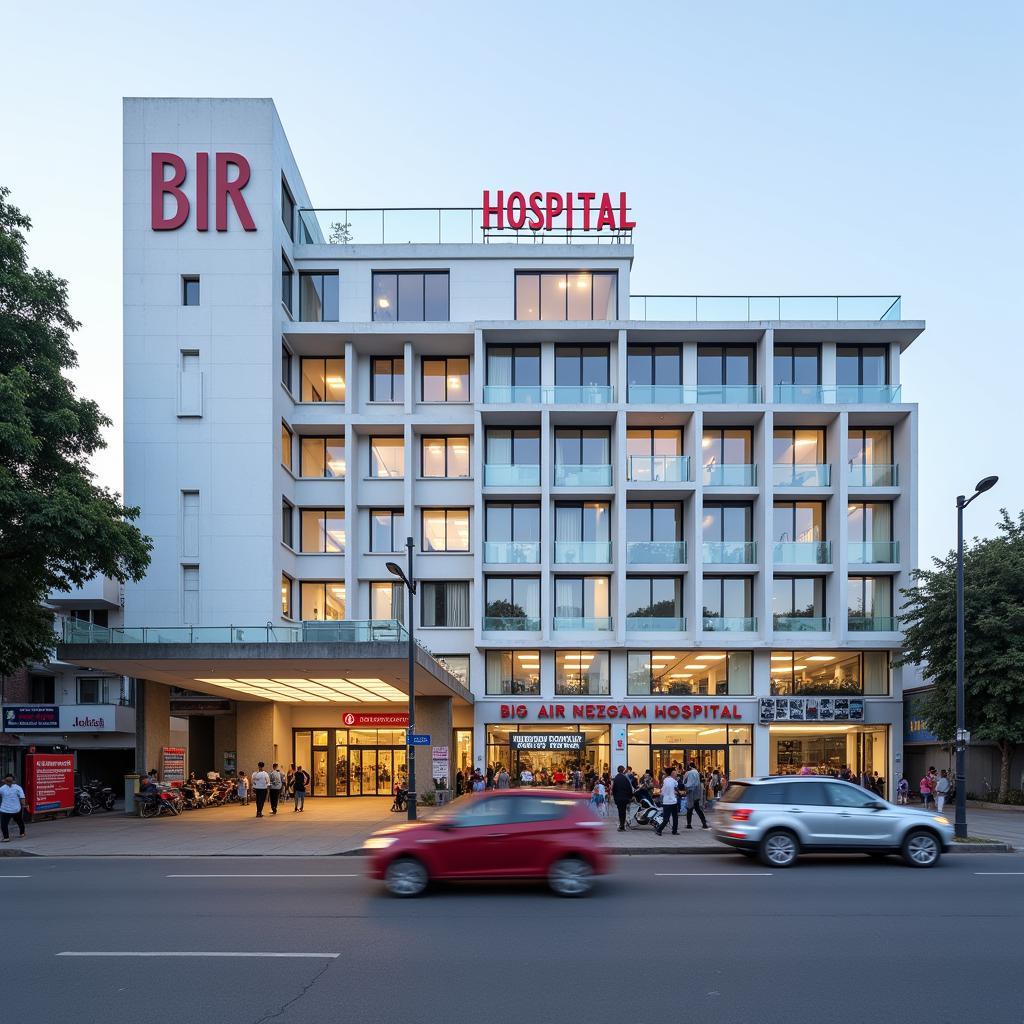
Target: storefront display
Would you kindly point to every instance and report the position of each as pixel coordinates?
(830, 673)
(729, 748)
(548, 751)
(351, 762)
(827, 749)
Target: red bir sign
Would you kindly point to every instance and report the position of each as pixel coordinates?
(49, 782)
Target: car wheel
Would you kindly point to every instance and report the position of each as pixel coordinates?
(779, 849)
(921, 849)
(406, 877)
(571, 876)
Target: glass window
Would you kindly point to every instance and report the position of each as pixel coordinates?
(512, 521)
(513, 366)
(387, 600)
(510, 673)
(387, 531)
(727, 446)
(800, 597)
(869, 521)
(445, 604)
(387, 379)
(446, 380)
(287, 274)
(725, 364)
(387, 458)
(797, 364)
(577, 295)
(286, 447)
(458, 665)
(659, 597)
(287, 209)
(862, 365)
(830, 673)
(286, 595)
(512, 597)
(654, 364)
(322, 601)
(581, 673)
(799, 522)
(286, 367)
(590, 446)
(582, 597)
(318, 297)
(725, 521)
(445, 529)
(581, 366)
(654, 521)
(583, 521)
(869, 446)
(323, 530)
(676, 673)
(445, 457)
(323, 380)
(513, 447)
(410, 295)
(727, 597)
(286, 522)
(323, 457)
(798, 446)
(869, 597)
(190, 290)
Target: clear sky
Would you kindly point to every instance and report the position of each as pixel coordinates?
(767, 147)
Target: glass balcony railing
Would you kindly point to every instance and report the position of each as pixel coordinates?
(730, 552)
(583, 476)
(547, 394)
(656, 552)
(511, 552)
(718, 475)
(512, 394)
(506, 624)
(575, 552)
(746, 308)
(584, 624)
(342, 631)
(873, 552)
(842, 394)
(658, 469)
(655, 624)
(659, 394)
(496, 475)
(872, 624)
(785, 474)
(812, 552)
(728, 394)
(863, 474)
(692, 394)
(799, 394)
(801, 624)
(723, 624)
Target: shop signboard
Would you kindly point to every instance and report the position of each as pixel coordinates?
(915, 726)
(717, 711)
(811, 709)
(49, 782)
(387, 720)
(439, 765)
(172, 765)
(546, 740)
(31, 716)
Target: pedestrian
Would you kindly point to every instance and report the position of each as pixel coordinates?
(242, 788)
(276, 785)
(502, 780)
(12, 808)
(289, 783)
(693, 784)
(260, 785)
(669, 803)
(903, 791)
(300, 780)
(526, 777)
(941, 790)
(716, 784)
(622, 794)
(925, 788)
(479, 782)
(599, 798)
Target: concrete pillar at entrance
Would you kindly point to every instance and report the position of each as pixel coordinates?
(433, 717)
(254, 733)
(223, 740)
(152, 723)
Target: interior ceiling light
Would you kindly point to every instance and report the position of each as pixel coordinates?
(821, 657)
(781, 657)
(698, 665)
(710, 657)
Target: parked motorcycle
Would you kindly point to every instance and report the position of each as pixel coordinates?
(102, 795)
(158, 800)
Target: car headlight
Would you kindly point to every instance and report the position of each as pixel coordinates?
(379, 842)
(940, 819)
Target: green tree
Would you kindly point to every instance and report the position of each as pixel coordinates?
(57, 526)
(993, 640)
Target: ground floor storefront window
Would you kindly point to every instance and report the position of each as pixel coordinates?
(351, 762)
(729, 748)
(587, 747)
(828, 749)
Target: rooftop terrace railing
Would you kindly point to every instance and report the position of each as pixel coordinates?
(349, 631)
(745, 308)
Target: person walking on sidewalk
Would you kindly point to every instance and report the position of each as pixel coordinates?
(260, 786)
(941, 790)
(299, 783)
(622, 794)
(693, 785)
(242, 788)
(289, 783)
(276, 785)
(12, 808)
(669, 803)
(925, 787)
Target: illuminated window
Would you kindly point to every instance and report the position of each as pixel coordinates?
(323, 380)
(576, 295)
(286, 447)
(323, 530)
(286, 596)
(322, 601)
(445, 380)
(410, 295)
(513, 672)
(323, 457)
(387, 458)
(581, 673)
(445, 529)
(445, 457)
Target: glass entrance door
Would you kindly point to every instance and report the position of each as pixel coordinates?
(373, 770)
(706, 758)
(318, 772)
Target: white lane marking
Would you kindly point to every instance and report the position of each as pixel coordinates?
(269, 875)
(713, 874)
(999, 872)
(180, 953)
(15, 876)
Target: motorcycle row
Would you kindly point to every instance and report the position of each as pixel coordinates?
(94, 796)
(159, 798)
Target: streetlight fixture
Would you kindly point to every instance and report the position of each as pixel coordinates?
(410, 585)
(962, 735)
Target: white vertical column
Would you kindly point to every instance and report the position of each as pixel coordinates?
(477, 451)
(764, 514)
(693, 514)
(836, 525)
(547, 528)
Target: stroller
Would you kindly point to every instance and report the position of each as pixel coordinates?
(647, 811)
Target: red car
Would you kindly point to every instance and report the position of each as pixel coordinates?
(514, 833)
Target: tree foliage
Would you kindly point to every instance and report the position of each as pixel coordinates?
(993, 639)
(57, 526)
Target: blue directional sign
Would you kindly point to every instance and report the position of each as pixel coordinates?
(419, 739)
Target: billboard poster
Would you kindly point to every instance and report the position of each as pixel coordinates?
(439, 765)
(31, 716)
(49, 782)
(546, 740)
(811, 709)
(172, 765)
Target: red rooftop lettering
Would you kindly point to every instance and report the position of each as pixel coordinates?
(231, 174)
(541, 211)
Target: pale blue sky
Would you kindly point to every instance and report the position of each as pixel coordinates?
(787, 147)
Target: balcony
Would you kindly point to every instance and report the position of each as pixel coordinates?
(801, 624)
(512, 394)
(722, 624)
(584, 624)
(691, 394)
(813, 552)
(748, 308)
(873, 624)
(583, 476)
(505, 624)
(727, 394)
(655, 624)
(659, 394)
(842, 394)
(719, 475)
(559, 394)
(785, 474)
(799, 394)
(337, 631)
(864, 474)
(873, 552)
(511, 552)
(496, 475)
(656, 552)
(658, 469)
(730, 552)
(577, 552)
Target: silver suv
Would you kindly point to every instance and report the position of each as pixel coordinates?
(777, 817)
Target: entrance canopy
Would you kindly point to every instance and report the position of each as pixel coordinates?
(314, 663)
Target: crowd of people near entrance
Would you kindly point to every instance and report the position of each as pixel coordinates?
(272, 787)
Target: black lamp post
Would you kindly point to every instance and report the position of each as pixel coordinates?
(962, 736)
(410, 584)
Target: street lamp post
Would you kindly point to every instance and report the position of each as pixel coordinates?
(960, 824)
(410, 585)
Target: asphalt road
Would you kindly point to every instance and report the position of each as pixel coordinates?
(704, 938)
